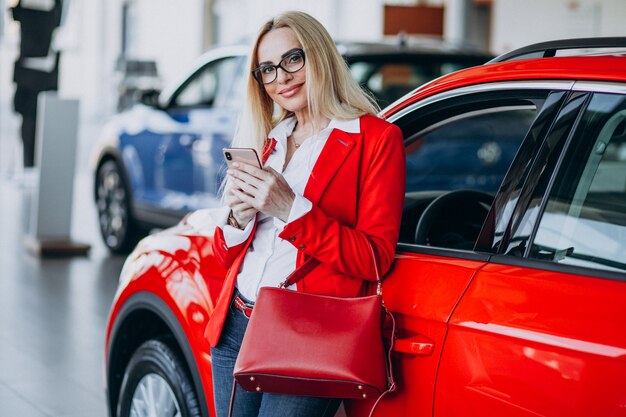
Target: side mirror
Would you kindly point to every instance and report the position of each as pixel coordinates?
(149, 97)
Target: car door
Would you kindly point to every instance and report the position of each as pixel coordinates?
(540, 329)
(189, 164)
(458, 143)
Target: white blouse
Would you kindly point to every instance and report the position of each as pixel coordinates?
(270, 259)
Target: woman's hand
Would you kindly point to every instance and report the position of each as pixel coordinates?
(263, 189)
(242, 212)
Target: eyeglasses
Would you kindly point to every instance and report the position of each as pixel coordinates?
(292, 61)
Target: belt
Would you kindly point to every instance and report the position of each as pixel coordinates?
(244, 307)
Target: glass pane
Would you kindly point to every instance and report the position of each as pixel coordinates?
(584, 222)
(208, 84)
(472, 150)
(389, 77)
(234, 98)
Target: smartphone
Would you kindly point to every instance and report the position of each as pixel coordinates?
(246, 155)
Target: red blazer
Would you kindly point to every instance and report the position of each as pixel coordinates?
(357, 190)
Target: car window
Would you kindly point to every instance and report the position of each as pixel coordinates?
(584, 221)
(389, 78)
(469, 150)
(456, 159)
(513, 213)
(234, 97)
(208, 85)
(390, 81)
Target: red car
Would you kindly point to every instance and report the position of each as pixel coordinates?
(509, 286)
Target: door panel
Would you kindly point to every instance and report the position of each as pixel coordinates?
(190, 163)
(540, 330)
(421, 291)
(527, 342)
(460, 143)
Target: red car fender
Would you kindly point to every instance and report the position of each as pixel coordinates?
(177, 277)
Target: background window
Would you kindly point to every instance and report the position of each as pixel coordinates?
(208, 85)
(390, 77)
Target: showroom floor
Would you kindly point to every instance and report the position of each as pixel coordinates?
(52, 312)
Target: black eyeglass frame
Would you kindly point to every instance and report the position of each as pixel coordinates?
(256, 73)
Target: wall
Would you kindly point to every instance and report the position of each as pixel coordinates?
(517, 23)
(466, 22)
(344, 19)
(167, 32)
(84, 40)
(9, 121)
(173, 34)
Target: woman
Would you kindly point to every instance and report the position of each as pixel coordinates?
(331, 187)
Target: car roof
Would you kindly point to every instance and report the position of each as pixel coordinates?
(578, 68)
(579, 47)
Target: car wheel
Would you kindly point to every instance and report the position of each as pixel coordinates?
(117, 226)
(156, 384)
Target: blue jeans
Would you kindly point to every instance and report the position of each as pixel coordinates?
(252, 404)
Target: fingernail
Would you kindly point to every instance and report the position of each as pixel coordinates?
(236, 164)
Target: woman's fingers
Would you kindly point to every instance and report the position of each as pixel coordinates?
(241, 185)
(230, 199)
(246, 198)
(248, 173)
(240, 206)
(271, 194)
(243, 212)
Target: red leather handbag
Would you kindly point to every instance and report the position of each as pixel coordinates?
(314, 345)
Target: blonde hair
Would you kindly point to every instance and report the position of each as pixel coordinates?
(331, 90)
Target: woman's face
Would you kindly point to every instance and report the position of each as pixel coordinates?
(289, 89)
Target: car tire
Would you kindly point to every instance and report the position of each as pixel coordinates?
(157, 384)
(119, 230)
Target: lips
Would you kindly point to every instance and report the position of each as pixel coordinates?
(290, 91)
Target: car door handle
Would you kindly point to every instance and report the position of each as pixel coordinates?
(418, 345)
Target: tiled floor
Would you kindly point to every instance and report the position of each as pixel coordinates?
(52, 313)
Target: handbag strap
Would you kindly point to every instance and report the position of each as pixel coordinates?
(391, 381)
(232, 399)
(300, 272)
(312, 262)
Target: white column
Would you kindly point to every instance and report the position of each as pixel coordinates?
(455, 21)
(56, 139)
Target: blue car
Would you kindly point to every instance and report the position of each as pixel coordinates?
(162, 158)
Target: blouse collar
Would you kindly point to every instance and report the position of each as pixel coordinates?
(282, 130)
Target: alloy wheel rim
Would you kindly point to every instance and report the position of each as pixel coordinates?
(153, 397)
(111, 207)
